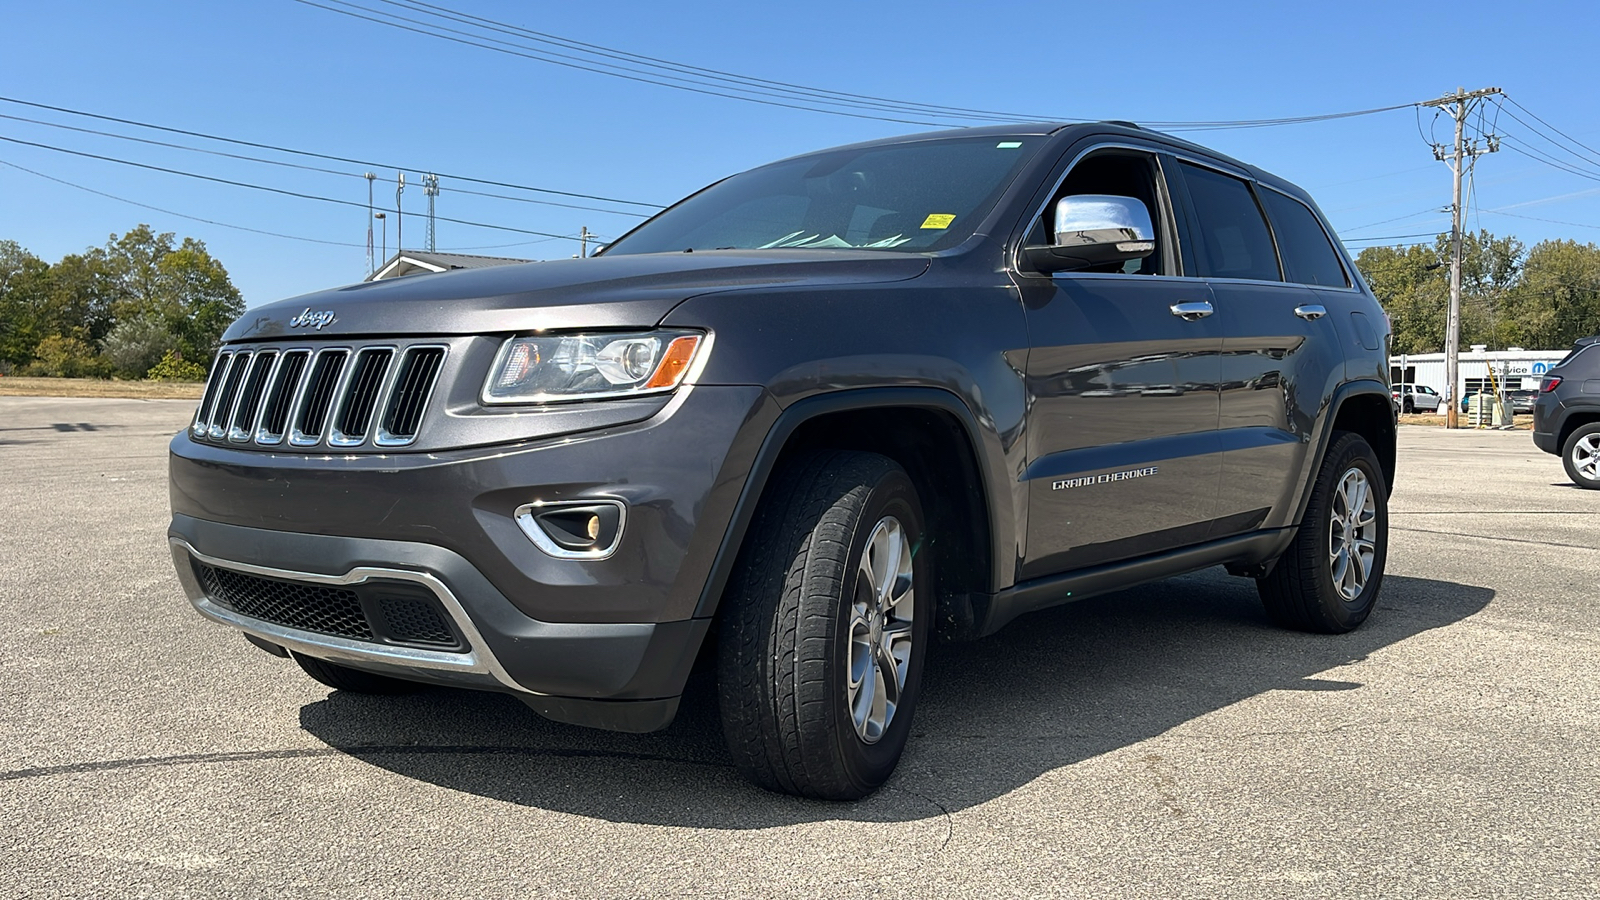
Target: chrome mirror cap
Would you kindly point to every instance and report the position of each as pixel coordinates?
(1101, 219)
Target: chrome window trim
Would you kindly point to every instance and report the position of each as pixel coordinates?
(1157, 150)
(342, 398)
(525, 521)
(381, 437)
(477, 659)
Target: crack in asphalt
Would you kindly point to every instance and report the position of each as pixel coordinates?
(187, 759)
(1495, 538)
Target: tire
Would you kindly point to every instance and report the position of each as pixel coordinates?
(1581, 456)
(344, 678)
(802, 610)
(1408, 407)
(1309, 589)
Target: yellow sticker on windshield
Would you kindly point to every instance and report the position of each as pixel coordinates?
(938, 220)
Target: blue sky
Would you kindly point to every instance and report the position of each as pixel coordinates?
(285, 73)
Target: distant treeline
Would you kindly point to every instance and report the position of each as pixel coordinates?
(142, 306)
(1542, 298)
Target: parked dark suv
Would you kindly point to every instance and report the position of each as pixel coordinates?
(1566, 417)
(797, 426)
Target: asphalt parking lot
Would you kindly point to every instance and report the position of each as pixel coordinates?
(1163, 742)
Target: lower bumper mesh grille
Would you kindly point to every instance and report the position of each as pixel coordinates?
(388, 612)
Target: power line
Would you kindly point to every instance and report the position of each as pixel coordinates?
(803, 98)
(314, 155)
(1549, 126)
(302, 166)
(276, 234)
(261, 187)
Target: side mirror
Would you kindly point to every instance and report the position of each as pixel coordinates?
(1093, 230)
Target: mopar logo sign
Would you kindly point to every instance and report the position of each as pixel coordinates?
(309, 319)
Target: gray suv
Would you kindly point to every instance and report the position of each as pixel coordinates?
(795, 428)
(1566, 415)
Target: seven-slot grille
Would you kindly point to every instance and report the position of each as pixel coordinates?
(339, 396)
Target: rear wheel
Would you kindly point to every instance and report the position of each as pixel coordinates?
(1581, 456)
(344, 678)
(825, 627)
(1328, 579)
(1408, 407)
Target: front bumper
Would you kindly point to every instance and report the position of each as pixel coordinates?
(605, 642)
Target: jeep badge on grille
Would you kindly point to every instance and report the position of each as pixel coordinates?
(312, 319)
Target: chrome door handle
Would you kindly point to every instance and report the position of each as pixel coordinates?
(1191, 310)
(1311, 311)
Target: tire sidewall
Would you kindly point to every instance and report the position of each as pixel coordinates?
(868, 765)
(1570, 465)
(1347, 614)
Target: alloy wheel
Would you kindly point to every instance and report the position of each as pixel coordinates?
(880, 631)
(1352, 533)
(1586, 456)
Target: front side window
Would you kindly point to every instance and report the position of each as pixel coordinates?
(1308, 257)
(1233, 240)
(917, 196)
(1119, 173)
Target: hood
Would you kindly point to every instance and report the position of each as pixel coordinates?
(625, 291)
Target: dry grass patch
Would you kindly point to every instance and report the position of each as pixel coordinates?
(21, 386)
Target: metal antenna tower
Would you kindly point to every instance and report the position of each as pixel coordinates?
(370, 266)
(399, 214)
(430, 187)
(1459, 105)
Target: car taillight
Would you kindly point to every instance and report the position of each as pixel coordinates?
(1550, 383)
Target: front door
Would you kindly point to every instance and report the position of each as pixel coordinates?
(1122, 377)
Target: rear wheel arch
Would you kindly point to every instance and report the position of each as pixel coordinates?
(1573, 422)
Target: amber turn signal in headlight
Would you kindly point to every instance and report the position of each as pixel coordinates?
(548, 368)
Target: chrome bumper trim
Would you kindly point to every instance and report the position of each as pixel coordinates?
(477, 660)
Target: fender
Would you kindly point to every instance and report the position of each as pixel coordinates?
(984, 444)
(1343, 393)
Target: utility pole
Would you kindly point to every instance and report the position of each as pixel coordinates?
(1459, 105)
(399, 214)
(583, 242)
(430, 187)
(370, 178)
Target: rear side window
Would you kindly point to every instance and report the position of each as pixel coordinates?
(1233, 240)
(1308, 257)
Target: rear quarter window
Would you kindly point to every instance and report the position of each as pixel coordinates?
(1308, 255)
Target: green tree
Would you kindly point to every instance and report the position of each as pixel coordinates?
(24, 299)
(1558, 299)
(182, 285)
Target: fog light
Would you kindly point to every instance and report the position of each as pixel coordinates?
(574, 529)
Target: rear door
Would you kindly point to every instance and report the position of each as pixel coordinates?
(1121, 431)
(1281, 357)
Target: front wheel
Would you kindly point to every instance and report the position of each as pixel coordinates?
(1581, 456)
(825, 628)
(1328, 579)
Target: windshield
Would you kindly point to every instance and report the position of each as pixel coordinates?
(919, 196)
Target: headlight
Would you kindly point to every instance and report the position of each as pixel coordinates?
(544, 368)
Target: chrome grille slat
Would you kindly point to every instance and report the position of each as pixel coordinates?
(311, 417)
(358, 401)
(219, 371)
(281, 396)
(228, 397)
(371, 394)
(242, 423)
(418, 372)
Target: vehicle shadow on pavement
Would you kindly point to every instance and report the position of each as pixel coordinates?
(1051, 690)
